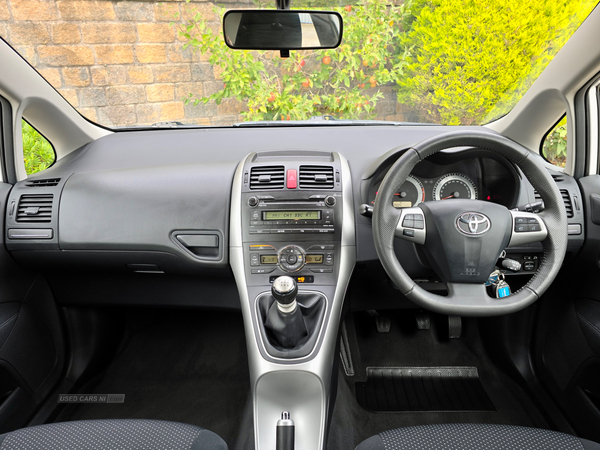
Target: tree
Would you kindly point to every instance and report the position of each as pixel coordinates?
(341, 82)
(472, 60)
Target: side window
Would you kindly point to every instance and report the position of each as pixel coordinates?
(554, 149)
(38, 153)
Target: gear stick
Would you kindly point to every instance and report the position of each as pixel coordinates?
(284, 290)
(284, 319)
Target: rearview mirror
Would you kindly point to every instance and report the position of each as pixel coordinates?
(282, 29)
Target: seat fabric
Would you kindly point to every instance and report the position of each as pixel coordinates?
(130, 434)
(454, 436)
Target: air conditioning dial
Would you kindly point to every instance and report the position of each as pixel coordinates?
(291, 258)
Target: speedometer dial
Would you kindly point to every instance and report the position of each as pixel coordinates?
(454, 185)
(410, 194)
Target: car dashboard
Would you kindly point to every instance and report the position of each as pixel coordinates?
(152, 208)
(209, 218)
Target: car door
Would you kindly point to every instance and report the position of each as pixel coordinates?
(32, 345)
(568, 334)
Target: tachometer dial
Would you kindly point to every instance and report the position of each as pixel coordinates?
(410, 194)
(454, 185)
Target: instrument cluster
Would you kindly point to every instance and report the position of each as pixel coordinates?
(450, 177)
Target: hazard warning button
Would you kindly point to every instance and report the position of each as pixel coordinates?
(292, 179)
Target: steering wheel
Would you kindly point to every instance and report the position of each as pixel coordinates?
(463, 239)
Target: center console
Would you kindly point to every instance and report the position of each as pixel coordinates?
(292, 232)
(292, 216)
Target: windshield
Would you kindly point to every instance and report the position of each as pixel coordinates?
(129, 63)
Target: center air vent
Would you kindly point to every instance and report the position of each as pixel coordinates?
(316, 177)
(43, 183)
(35, 208)
(566, 200)
(267, 177)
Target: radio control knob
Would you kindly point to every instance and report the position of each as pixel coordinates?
(252, 202)
(330, 200)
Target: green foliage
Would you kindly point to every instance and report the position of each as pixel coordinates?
(472, 60)
(37, 151)
(341, 82)
(555, 145)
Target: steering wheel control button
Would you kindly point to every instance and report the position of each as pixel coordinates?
(292, 179)
(473, 223)
(527, 229)
(411, 225)
(419, 222)
(521, 227)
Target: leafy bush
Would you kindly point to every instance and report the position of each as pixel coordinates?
(555, 144)
(37, 151)
(339, 82)
(472, 60)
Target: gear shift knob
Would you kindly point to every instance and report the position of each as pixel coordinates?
(284, 290)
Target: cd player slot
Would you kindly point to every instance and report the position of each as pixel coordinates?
(292, 202)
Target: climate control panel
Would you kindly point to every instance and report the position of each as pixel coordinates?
(302, 261)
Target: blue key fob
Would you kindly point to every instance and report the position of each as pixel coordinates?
(502, 290)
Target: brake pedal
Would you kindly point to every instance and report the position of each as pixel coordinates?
(454, 327)
(383, 323)
(423, 320)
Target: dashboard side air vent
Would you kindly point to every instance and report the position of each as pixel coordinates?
(557, 178)
(35, 208)
(566, 199)
(316, 177)
(43, 183)
(568, 205)
(267, 177)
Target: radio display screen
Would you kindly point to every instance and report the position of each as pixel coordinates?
(268, 259)
(292, 215)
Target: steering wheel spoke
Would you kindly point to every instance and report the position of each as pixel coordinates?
(412, 226)
(527, 228)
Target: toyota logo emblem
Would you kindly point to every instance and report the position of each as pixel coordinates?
(472, 223)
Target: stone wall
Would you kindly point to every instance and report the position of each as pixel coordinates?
(121, 62)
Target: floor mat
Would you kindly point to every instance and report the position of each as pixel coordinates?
(392, 389)
(405, 346)
(183, 366)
